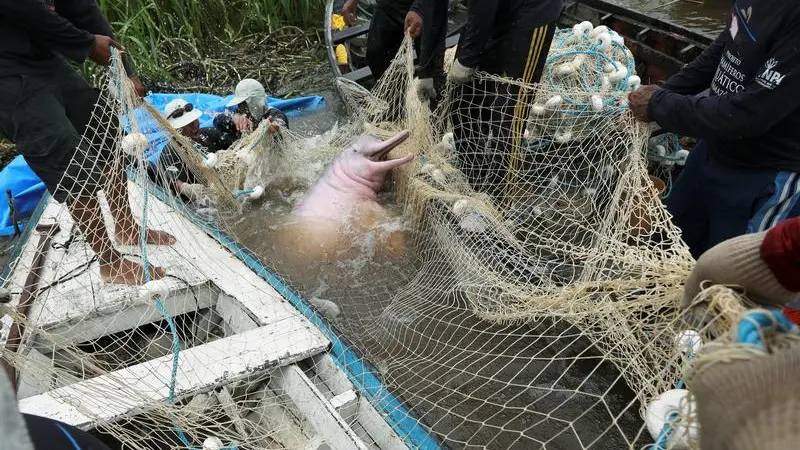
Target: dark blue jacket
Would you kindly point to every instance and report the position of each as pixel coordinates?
(751, 118)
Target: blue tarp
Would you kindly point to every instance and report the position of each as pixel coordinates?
(27, 189)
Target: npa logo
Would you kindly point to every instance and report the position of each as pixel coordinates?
(770, 78)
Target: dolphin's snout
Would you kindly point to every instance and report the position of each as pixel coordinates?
(383, 148)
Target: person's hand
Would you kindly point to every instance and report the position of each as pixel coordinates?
(243, 123)
(349, 11)
(425, 89)
(639, 101)
(274, 126)
(101, 52)
(413, 24)
(138, 87)
(460, 74)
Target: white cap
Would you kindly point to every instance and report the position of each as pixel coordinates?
(252, 92)
(183, 120)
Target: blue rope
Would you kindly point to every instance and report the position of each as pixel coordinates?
(176, 343)
(69, 436)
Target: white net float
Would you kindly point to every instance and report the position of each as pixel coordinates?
(681, 155)
(597, 103)
(449, 140)
(211, 160)
(553, 102)
(689, 341)
(154, 290)
(676, 408)
(461, 207)
(634, 82)
(212, 443)
(135, 144)
(255, 193)
(603, 42)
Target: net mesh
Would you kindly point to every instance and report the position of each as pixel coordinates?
(531, 302)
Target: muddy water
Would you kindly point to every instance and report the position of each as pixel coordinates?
(707, 16)
(478, 385)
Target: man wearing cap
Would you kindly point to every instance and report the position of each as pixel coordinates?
(250, 107)
(170, 169)
(45, 107)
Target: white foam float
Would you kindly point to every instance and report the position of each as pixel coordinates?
(553, 102)
(438, 176)
(153, 289)
(603, 42)
(255, 193)
(449, 141)
(135, 144)
(673, 401)
(682, 154)
(689, 341)
(462, 206)
(212, 443)
(597, 102)
(598, 30)
(634, 82)
(211, 160)
(538, 109)
(563, 136)
(618, 75)
(583, 28)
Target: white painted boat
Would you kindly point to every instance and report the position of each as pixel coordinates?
(314, 390)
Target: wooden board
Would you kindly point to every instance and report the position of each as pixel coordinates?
(84, 307)
(137, 388)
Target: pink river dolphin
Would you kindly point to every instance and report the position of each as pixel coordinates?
(344, 200)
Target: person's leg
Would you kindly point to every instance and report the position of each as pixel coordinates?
(49, 434)
(780, 200)
(385, 35)
(95, 120)
(524, 52)
(687, 201)
(738, 197)
(32, 115)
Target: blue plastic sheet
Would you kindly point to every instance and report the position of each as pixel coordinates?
(27, 189)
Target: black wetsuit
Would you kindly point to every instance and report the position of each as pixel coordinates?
(224, 133)
(509, 38)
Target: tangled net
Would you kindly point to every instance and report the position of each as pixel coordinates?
(541, 317)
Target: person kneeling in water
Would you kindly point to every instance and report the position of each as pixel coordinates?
(170, 170)
(249, 108)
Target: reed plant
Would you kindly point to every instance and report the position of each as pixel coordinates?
(152, 29)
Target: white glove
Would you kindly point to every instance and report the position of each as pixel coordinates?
(460, 74)
(425, 89)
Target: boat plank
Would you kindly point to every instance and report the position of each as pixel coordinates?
(198, 267)
(330, 425)
(134, 389)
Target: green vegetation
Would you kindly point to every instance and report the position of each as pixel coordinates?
(181, 43)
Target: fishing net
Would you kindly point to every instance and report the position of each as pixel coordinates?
(530, 303)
